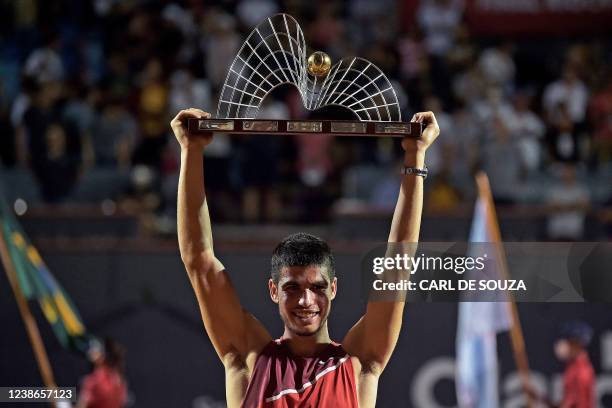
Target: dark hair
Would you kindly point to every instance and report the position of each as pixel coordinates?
(302, 249)
(114, 354)
(577, 331)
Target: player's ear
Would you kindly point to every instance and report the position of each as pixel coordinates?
(334, 287)
(273, 290)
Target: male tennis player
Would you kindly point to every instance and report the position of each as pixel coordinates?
(304, 367)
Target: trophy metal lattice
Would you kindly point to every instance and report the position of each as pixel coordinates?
(275, 54)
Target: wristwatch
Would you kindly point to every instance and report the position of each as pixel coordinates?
(416, 171)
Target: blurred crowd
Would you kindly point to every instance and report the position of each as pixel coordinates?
(88, 89)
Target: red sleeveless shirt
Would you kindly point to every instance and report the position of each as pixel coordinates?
(282, 380)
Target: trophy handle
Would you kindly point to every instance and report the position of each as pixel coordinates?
(293, 127)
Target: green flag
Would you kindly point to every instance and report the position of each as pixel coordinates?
(38, 284)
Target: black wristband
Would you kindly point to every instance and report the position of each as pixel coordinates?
(415, 171)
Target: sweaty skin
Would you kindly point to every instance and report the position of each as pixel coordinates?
(303, 294)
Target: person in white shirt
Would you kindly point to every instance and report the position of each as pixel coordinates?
(570, 91)
(568, 202)
(565, 103)
(497, 66)
(439, 19)
(528, 129)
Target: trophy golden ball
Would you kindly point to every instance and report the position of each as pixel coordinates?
(319, 64)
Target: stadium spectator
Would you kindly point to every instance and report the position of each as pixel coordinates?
(365, 19)
(252, 12)
(187, 90)
(497, 66)
(565, 104)
(152, 105)
(569, 92)
(79, 109)
(220, 44)
(260, 159)
(117, 81)
(44, 63)
(58, 169)
(114, 135)
(326, 31)
(563, 135)
(413, 66)
(567, 201)
(54, 146)
(494, 114)
(463, 54)
(465, 155)
(601, 120)
(469, 87)
(440, 21)
(501, 161)
(528, 130)
(442, 195)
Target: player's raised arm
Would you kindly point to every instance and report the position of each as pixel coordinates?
(234, 333)
(374, 336)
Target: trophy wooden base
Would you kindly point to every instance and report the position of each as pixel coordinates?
(292, 127)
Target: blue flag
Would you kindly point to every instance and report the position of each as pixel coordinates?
(479, 322)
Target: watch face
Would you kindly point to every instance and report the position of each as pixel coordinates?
(418, 172)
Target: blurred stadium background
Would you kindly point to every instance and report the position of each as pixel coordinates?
(521, 89)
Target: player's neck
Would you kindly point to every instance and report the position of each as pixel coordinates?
(306, 346)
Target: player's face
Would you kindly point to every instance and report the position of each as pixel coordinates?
(304, 295)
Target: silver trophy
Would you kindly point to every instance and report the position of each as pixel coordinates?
(274, 54)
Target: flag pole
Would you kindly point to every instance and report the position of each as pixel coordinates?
(516, 332)
(38, 346)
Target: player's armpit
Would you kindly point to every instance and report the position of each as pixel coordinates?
(373, 338)
(233, 332)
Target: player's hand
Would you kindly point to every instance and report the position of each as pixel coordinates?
(179, 127)
(430, 133)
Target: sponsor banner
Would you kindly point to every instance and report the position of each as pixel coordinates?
(547, 17)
